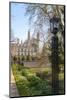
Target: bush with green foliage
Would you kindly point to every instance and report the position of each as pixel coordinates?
(22, 84)
(22, 58)
(28, 57)
(42, 74)
(29, 84)
(38, 86)
(26, 72)
(14, 59)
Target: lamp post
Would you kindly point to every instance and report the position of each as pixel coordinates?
(54, 28)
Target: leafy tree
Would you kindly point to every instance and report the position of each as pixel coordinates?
(39, 16)
(14, 59)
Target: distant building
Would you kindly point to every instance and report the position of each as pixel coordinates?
(29, 48)
(14, 48)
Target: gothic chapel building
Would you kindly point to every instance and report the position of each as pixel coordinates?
(29, 48)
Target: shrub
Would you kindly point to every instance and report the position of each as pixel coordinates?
(19, 67)
(29, 84)
(38, 86)
(34, 91)
(14, 59)
(33, 58)
(42, 74)
(22, 84)
(21, 63)
(34, 80)
(28, 57)
(23, 58)
(46, 88)
(26, 72)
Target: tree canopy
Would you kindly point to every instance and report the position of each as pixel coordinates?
(40, 14)
(39, 17)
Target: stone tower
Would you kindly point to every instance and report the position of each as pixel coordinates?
(38, 40)
(29, 35)
(21, 48)
(18, 40)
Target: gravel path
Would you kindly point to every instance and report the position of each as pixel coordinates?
(13, 87)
